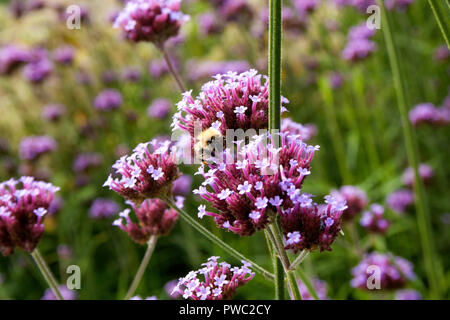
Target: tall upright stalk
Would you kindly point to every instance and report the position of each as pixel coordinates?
(274, 64)
(46, 273)
(144, 263)
(423, 218)
(442, 14)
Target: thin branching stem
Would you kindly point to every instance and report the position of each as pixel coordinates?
(144, 263)
(172, 70)
(46, 273)
(205, 232)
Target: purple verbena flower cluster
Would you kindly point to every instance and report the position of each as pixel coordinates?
(426, 173)
(304, 132)
(103, 208)
(22, 211)
(394, 271)
(360, 5)
(400, 200)
(408, 294)
(53, 112)
(150, 20)
(355, 198)
(308, 226)
(231, 101)
(64, 55)
(32, 147)
(159, 109)
(108, 100)
(359, 46)
(220, 281)
(145, 174)
(85, 161)
(153, 219)
(234, 10)
(11, 57)
(427, 113)
(264, 180)
(66, 293)
(400, 5)
(374, 220)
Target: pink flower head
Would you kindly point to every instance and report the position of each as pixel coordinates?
(262, 180)
(427, 113)
(355, 198)
(305, 132)
(153, 218)
(220, 98)
(22, 212)
(145, 174)
(215, 281)
(32, 147)
(426, 173)
(374, 220)
(150, 20)
(400, 200)
(399, 5)
(394, 271)
(308, 226)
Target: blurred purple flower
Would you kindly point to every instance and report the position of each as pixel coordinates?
(53, 112)
(159, 109)
(11, 57)
(426, 173)
(64, 55)
(32, 147)
(150, 20)
(103, 208)
(22, 213)
(131, 74)
(408, 294)
(399, 5)
(374, 220)
(85, 161)
(209, 23)
(182, 186)
(400, 200)
(394, 271)
(107, 100)
(441, 53)
(355, 198)
(66, 293)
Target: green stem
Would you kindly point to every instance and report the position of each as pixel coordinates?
(46, 273)
(278, 269)
(442, 13)
(302, 256)
(172, 70)
(144, 263)
(279, 246)
(275, 30)
(197, 226)
(423, 218)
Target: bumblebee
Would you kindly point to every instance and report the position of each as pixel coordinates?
(207, 142)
